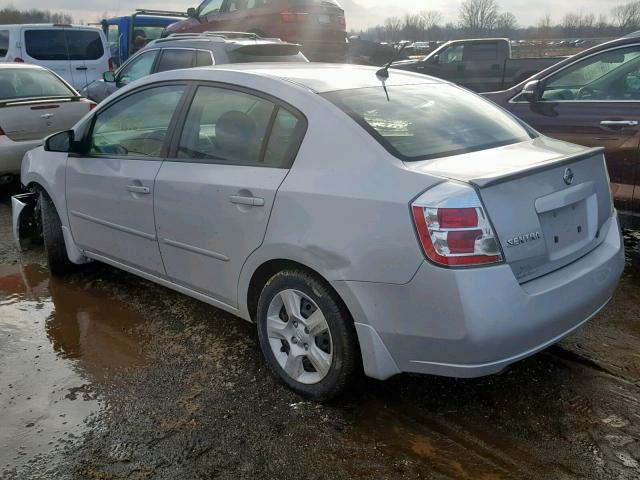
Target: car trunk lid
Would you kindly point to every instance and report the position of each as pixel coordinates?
(547, 200)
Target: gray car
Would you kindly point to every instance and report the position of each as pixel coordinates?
(193, 50)
(364, 224)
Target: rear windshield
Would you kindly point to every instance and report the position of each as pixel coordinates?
(64, 44)
(4, 42)
(17, 83)
(267, 53)
(419, 122)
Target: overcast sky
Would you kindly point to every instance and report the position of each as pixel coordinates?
(358, 12)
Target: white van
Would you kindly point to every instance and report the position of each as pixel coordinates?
(78, 54)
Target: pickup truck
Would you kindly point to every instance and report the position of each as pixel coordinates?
(128, 34)
(481, 65)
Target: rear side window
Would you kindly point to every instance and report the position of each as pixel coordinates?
(46, 44)
(479, 52)
(31, 83)
(203, 58)
(84, 45)
(174, 59)
(4, 42)
(420, 122)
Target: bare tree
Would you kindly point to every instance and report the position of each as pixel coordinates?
(478, 16)
(506, 23)
(627, 16)
(393, 27)
(431, 19)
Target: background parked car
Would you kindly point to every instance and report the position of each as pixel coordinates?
(318, 25)
(194, 50)
(591, 99)
(481, 65)
(126, 35)
(34, 103)
(78, 54)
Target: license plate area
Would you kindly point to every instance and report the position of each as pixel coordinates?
(569, 228)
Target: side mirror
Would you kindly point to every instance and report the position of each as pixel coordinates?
(59, 142)
(109, 77)
(532, 91)
(192, 13)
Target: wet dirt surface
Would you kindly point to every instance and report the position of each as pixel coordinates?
(104, 375)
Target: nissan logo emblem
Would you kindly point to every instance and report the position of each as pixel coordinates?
(568, 176)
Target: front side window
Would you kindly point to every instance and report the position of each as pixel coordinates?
(84, 45)
(174, 59)
(31, 83)
(46, 44)
(137, 68)
(227, 126)
(245, 4)
(420, 122)
(452, 54)
(4, 42)
(136, 126)
(611, 75)
(481, 52)
(210, 7)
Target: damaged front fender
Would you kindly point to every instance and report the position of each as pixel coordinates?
(25, 222)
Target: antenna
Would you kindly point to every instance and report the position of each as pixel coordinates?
(384, 71)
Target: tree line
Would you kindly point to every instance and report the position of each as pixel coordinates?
(484, 18)
(11, 15)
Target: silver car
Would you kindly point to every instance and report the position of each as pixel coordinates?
(365, 224)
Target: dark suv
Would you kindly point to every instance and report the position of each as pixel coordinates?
(194, 50)
(318, 25)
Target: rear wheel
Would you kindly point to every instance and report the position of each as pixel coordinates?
(57, 259)
(307, 336)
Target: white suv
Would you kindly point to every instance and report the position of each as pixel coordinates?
(78, 54)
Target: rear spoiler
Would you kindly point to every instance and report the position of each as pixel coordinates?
(37, 100)
(553, 163)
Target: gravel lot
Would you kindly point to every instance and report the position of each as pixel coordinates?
(104, 375)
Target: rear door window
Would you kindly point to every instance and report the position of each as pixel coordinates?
(46, 44)
(174, 59)
(84, 45)
(31, 83)
(4, 42)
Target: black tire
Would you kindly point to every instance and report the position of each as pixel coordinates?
(346, 363)
(53, 239)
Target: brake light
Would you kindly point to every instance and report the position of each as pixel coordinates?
(92, 105)
(453, 227)
(342, 22)
(18, 60)
(111, 66)
(2, 132)
(294, 17)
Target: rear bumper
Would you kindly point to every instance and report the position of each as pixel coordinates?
(11, 154)
(474, 322)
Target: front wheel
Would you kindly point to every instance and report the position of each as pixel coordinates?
(307, 335)
(54, 245)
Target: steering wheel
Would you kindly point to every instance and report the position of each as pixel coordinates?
(591, 93)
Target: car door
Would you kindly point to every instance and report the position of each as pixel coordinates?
(448, 64)
(87, 55)
(595, 102)
(110, 188)
(215, 192)
(47, 46)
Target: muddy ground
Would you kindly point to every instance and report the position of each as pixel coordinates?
(104, 375)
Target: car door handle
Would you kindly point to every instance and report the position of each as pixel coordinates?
(47, 116)
(252, 201)
(81, 68)
(139, 189)
(619, 123)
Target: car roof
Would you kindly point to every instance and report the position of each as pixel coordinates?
(49, 25)
(21, 66)
(320, 77)
(210, 41)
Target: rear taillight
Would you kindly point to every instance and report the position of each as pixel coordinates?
(2, 132)
(453, 227)
(92, 105)
(294, 17)
(341, 21)
(18, 60)
(111, 66)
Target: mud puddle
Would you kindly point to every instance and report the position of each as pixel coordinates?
(57, 340)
